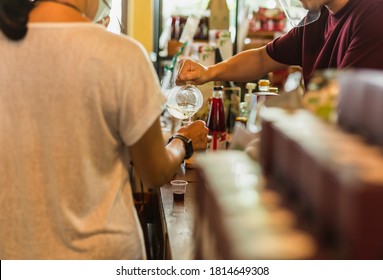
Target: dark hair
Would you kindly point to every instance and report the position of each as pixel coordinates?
(14, 17)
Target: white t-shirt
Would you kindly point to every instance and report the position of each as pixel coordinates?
(72, 98)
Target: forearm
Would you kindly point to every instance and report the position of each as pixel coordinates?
(155, 163)
(170, 162)
(245, 66)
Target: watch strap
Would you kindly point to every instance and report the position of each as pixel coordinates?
(187, 144)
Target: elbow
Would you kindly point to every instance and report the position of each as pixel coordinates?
(158, 179)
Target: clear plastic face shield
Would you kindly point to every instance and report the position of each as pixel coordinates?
(298, 14)
(104, 7)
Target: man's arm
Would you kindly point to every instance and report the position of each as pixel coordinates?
(245, 66)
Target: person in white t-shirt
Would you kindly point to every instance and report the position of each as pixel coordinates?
(77, 105)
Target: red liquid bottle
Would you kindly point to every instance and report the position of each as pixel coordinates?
(216, 121)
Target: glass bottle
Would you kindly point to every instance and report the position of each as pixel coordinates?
(216, 120)
(244, 110)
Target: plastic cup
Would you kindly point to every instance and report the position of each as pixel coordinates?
(179, 189)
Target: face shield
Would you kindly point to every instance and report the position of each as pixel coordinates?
(104, 7)
(297, 15)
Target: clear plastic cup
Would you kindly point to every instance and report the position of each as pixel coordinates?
(179, 189)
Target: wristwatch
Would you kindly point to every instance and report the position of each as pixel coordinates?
(187, 144)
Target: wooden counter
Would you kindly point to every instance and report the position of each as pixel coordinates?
(178, 218)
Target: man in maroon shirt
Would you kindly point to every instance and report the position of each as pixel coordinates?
(348, 34)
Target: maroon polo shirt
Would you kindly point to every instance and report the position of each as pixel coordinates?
(350, 38)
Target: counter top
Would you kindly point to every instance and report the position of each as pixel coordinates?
(178, 218)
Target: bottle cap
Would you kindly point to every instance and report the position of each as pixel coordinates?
(273, 89)
(251, 86)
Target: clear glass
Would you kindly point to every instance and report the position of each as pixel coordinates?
(184, 101)
(254, 122)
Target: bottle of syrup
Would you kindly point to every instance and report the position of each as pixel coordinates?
(216, 121)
